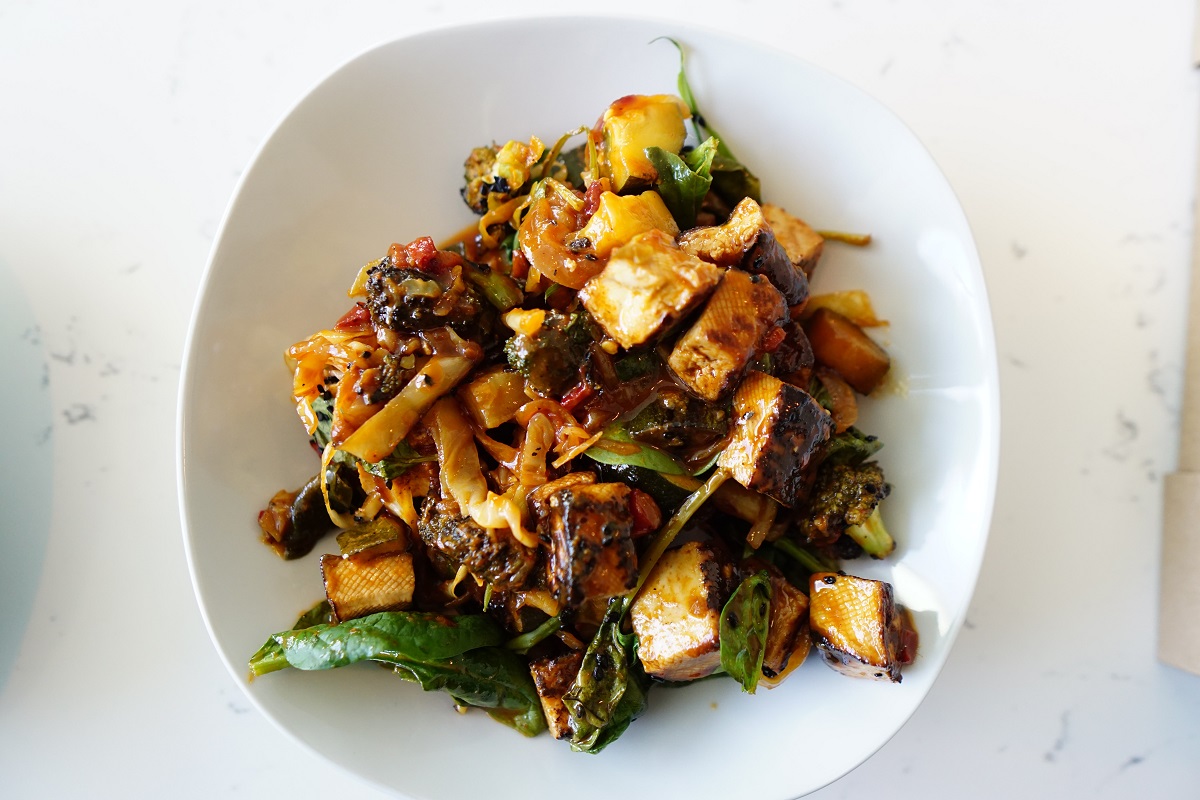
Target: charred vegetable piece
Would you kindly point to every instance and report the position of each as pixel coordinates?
(376, 537)
(648, 284)
(675, 420)
(853, 623)
(780, 432)
(492, 555)
(802, 244)
(403, 297)
(633, 123)
(493, 398)
(293, 522)
(843, 495)
(793, 359)
(589, 531)
(712, 355)
(788, 639)
(618, 219)
(851, 446)
(677, 613)
(668, 491)
(841, 345)
(552, 677)
(359, 585)
(493, 175)
(550, 357)
(745, 240)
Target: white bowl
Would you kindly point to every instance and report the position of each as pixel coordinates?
(373, 155)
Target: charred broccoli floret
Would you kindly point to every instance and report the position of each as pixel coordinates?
(845, 499)
(551, 357)
(494, 175)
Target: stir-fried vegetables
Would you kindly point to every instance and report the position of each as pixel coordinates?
(607, 440)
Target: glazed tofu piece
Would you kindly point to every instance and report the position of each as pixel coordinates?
(712, 355)
(854, 625)
(746, 241)
(359, 585)
(647, 285)
(779, 431)
(588, 528)
(677, 614)
(802, 244)
(552, 677)
(788, 639)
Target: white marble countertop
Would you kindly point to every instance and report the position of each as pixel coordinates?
(1069, 131)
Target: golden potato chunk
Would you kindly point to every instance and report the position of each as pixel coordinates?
(635, 122)
(356, 586)
(618, 219)
(677, 614)
(779, 431)
(853, 622)
(647, 285)
(711, 356)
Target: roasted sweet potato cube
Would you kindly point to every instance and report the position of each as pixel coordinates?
(356, 586)
(854, 627)
(788, 639)
(712, 355)
(802, 244)
(552, 677)
(779, 430)
(843, 346)
(677, 614)
(589, 531)
(647, 285)
(746, 241)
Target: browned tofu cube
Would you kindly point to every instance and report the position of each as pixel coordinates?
(552, 677)
(788, 640)
(853, 622)
(677, 614)
(802, 244)
(589, 531)
(356, 586)
(745, 240)
(712, 355)
(779, 430)
(647, 285)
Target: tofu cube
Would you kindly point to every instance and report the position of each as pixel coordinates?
(356, 585)
(802, 244)
(779, 430)
(854, 626)
(591, 554)
(746, 241)
(712, 355)
(648, 284)
(552, 677)
(677, 614)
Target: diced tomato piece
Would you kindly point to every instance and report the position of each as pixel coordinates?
(647, 516)
(357, 317)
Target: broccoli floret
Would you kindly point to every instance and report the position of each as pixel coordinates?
(550, 359)
(845, 499)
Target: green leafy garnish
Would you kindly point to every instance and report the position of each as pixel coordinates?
(617, 447)
(684, 181)
(851, 446)
(744, 623)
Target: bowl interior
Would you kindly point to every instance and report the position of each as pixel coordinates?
(373, 155)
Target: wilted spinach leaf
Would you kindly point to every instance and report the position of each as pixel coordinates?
(744, 623)
(684, 181)
(610, 690)
(617, 447)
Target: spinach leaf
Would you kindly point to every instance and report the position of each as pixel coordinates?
(398, 462)
(684, 181)
(610, 690)
(744, 630)
(270, 657)
(616, 446)
(490, 678)
(381, 636)
(320, 614)
(731, 179)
